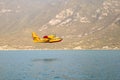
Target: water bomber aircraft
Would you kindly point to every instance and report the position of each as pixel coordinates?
(45, 39)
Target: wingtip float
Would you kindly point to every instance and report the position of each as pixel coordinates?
(45, 39)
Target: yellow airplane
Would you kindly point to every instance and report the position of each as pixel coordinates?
(45, 39)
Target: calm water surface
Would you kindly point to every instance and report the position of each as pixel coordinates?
(60, 65)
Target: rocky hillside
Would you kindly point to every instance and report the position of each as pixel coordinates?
(83, 24)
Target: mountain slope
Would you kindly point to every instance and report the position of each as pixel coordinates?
(83, 24)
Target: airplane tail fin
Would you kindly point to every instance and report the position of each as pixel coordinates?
(35, 37)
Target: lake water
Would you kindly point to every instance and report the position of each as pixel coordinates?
(60, 65)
